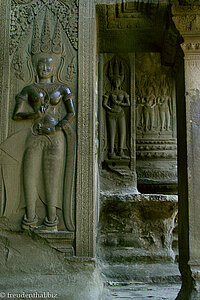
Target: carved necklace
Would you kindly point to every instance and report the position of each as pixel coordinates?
(46, 89)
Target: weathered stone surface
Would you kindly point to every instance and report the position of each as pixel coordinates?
(136, 227)
(29, 264)
(86, 185)
(142, 272)
(142, 291)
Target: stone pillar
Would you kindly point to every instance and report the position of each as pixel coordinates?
(187, 20)
(4, 68)
(4, 79)
(87, 148)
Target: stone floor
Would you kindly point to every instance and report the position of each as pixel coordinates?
(159, 281)
(142, 291)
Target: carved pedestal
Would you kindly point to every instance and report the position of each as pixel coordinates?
(62, 241)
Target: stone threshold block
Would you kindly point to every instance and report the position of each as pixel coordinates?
(136, 228)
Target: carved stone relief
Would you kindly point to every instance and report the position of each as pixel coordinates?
(117, 142)
(186, 18)
(44, 62)
(154, 98)
(116, 104)
(193, 68)
(155, 120)
(23, 15)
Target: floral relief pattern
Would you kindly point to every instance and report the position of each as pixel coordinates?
(23, 15)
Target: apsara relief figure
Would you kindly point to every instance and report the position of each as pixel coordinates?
(149, 111)
(49, 147)
(114, 102)
(164, 103)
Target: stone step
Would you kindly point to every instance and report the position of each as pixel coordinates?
(142, 281)
(142, 272)
(141, 291)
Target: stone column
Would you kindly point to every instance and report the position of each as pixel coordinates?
(86, 193)
(4, 68)
(4, 80)
(187, 20)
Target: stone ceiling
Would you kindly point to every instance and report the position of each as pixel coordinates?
(137, 27)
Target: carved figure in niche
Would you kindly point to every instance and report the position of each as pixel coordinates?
(164, 103)
(113, 102)
(149, 113)
(45, 148)
(140, 112)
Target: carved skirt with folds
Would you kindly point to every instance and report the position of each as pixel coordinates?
(115, 115)
(53, 143)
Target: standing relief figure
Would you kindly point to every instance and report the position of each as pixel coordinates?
(149, 113)
(164, 103)
(114, 101)
(45, 148)
(139, 112)
(146, 103)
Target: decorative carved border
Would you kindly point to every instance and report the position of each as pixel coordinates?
(4, 68)
(191, 45)
(22, 16)
(156, 174)
(156, 155)
(186, 18)
(86, 193)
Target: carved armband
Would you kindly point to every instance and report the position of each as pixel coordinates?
(68, 97)
(20, 98)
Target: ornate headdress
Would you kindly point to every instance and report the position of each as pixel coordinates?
(42, 45)
(116, 70)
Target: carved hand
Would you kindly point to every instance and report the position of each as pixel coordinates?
(40, 112)
(45, 130)
(114, 110)
(61, 124)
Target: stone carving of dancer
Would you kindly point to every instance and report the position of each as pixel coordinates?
(149, 113)
(164, 103)
(114, 101)
(45, 149)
